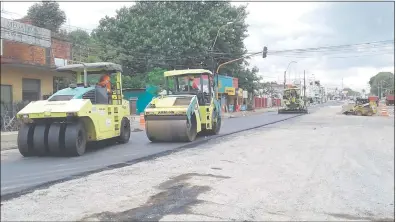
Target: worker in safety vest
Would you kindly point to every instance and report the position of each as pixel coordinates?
(105, 82)
(191, 83)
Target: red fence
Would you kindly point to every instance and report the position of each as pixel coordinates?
(265, 103)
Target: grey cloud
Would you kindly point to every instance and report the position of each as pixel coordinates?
(333, 24)
(356, 22)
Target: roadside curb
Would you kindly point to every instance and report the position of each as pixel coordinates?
(9, 148)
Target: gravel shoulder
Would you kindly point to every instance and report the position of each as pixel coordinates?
(321, 166)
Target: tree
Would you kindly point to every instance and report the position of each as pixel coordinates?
(132, 82)
(267, 88)
(248, 79)
(80, 36)
(47, 14)
(351, 92)
(85, 48)
(381, 82)
(172, 35)
(156, 77)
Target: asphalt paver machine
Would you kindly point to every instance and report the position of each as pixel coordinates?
(294, 102)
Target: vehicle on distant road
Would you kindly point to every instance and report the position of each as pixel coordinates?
(390, 97)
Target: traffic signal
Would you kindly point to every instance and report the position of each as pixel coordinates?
(265, 50)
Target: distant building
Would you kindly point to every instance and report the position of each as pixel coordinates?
(29, 56)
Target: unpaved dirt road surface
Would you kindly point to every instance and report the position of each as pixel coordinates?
(321, 166)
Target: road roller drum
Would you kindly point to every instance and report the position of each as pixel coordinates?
(171, 129)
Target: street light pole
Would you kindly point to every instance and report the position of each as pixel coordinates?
(213, 60)
(214, 43)
(284, 75)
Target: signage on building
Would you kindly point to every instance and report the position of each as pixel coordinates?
(230, 91)
(240, 92)
(60, 62)
(245, 94)
(224, 81)
(25, 33)
(235, 82)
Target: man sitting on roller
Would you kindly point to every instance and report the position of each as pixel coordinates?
(192, 84)
(105, 82)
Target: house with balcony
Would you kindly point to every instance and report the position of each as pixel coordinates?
(29, 56)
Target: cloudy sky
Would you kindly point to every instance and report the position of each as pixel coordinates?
(289, 25)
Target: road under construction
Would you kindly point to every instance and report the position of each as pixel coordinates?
(20, 175)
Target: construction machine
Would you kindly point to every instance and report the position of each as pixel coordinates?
(390, 97)
(188, 108)
(361, 107)
(293, 101)
(72, 117)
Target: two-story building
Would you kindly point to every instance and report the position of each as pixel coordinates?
(29, 56)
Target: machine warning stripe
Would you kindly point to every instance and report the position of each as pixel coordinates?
(166, 117)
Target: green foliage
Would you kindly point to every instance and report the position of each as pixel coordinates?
(80, 37)
(156, 77)
(248, 79)
(85, 48)
(47, 15)
(172, 35)
(133, 82)
(381, 82)
(351, 92)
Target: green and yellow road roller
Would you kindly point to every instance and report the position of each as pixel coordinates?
(84, 112)
(189, 107)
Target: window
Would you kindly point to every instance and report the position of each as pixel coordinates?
(30, 89)
(61, 98)
(6, 98)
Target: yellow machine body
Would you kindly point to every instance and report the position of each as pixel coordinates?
(69, 119)
(294, 103)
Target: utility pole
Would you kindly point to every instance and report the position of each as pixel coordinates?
(342, 84)
(342, 87)
(284, 82)
(305, 98)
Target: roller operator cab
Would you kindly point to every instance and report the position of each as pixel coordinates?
(72, 117)
(294, 102)
(188, 108)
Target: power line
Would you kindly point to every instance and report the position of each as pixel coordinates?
(331, 47)
(296, 53)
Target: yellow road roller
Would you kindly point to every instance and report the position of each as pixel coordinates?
(361, 107)
(188, 108)
(84, 112)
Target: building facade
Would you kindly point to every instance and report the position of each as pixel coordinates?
(29, 56)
